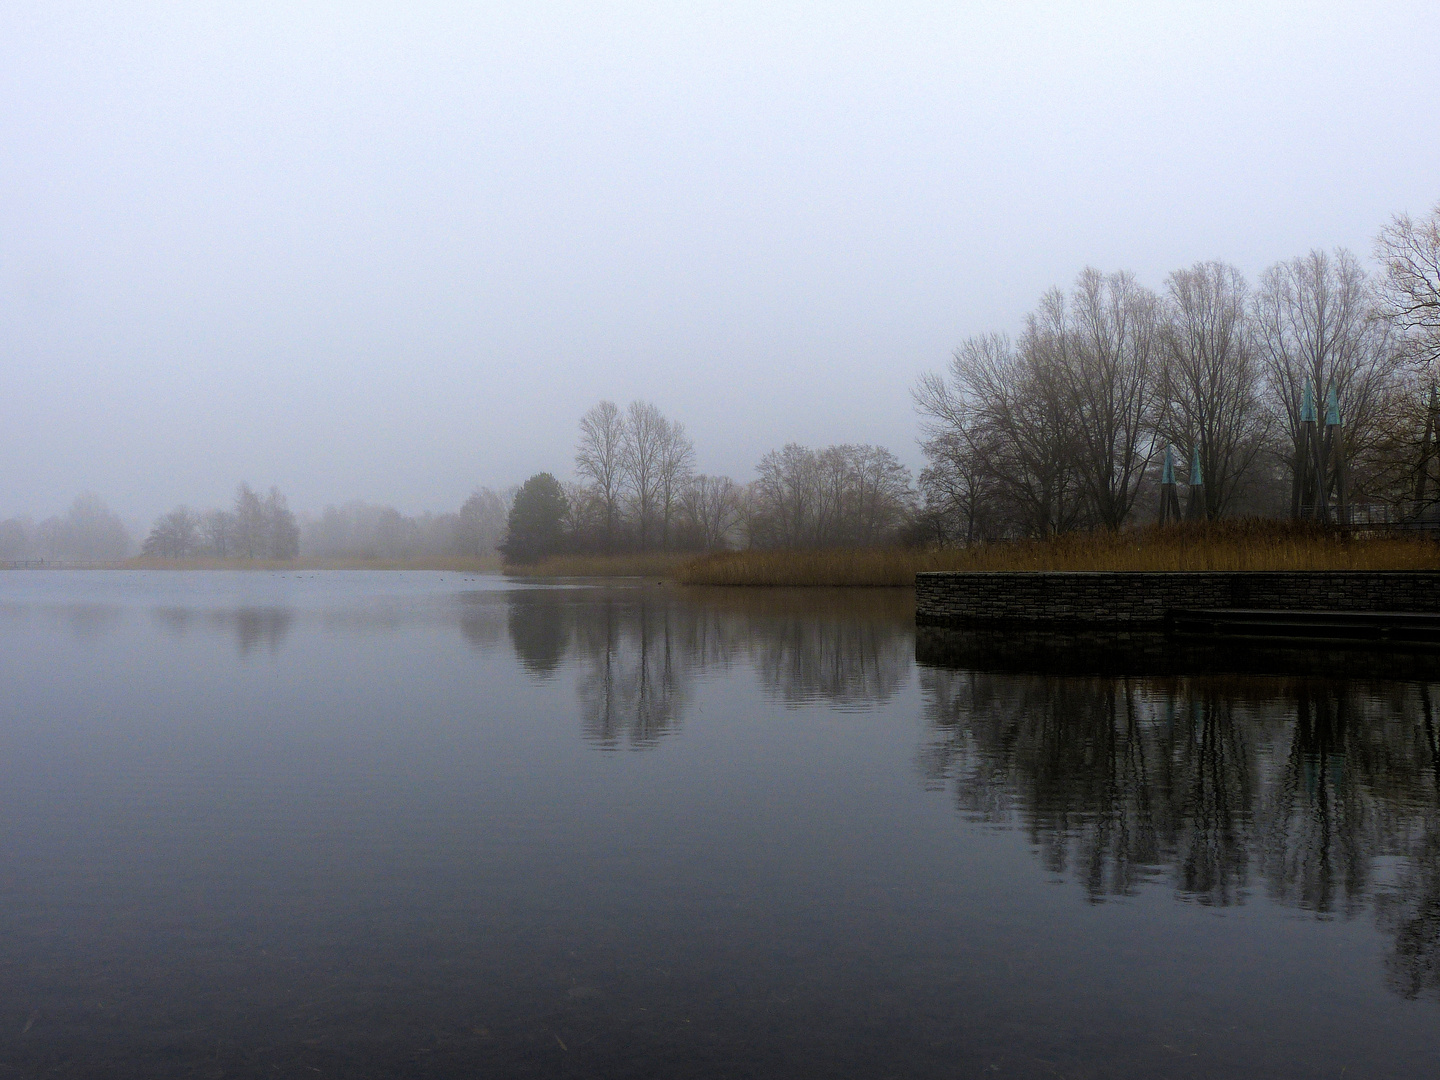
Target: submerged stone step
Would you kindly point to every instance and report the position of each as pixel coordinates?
(1325, 624)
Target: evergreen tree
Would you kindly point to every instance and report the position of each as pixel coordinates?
(537, 518)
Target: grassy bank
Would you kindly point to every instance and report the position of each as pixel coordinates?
(1222, 546)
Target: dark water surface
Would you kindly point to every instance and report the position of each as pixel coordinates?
(365, 824)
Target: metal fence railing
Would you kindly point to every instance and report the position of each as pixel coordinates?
(1395, 517)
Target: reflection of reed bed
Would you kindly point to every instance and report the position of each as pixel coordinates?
(1222, 546)
(894, 606)
(653, 564)
(829, 567)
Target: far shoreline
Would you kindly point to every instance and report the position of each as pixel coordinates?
(1228, 546)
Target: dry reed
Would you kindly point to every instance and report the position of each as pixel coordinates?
(1241, 545)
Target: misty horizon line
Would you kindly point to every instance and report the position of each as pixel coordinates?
(911, 454)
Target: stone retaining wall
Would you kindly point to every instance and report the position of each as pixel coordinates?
(1141, 599)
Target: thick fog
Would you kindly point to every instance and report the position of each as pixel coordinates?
(393, 254)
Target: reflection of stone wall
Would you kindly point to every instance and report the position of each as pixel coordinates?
(1147, 651)
(1096, 598)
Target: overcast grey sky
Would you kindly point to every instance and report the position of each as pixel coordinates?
(394, 251)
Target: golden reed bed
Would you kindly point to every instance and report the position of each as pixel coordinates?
(1237, 546)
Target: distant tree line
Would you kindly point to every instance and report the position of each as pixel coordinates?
(635, 467)
(264, 527)
(258, 527)
(1061, 428)
(1064, 427)
(851, 496)
(362, 531)
(638, 491)
(88, 532)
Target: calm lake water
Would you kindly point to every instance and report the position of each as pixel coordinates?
(393, 825)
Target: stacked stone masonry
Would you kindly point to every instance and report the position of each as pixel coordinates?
(1114, 600)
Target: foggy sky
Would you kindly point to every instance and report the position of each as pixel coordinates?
(395, 252)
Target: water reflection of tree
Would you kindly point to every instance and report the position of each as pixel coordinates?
(1314, 848)
(537, 631)
(1210, 780)
(1111, 782)
(1213, 783)
(482, 619)
(848, 664)
(638, 652)
(1410, 909)
(635, 677)
(252, 627)
(260, 626)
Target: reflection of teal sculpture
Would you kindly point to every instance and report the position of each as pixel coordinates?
(1319, 490)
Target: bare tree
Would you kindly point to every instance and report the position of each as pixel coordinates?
(249, 523)
(882, 498)
(173, 536)
(600, 458)
(839, 495)
(362, 530)
(481, 525)
(784, 498)
(833, 476)
(959, 484)
(711, 509)
(1211, 378)
(217, 533)
(282, 533)
(642, 451)
(1106, 344)
(265, 528)
(1315, 322)
(1009, 410)
(89, 531)
(1409, 283)
(1064, 421)
(677, 464)
(958, 490)
(584, 513)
